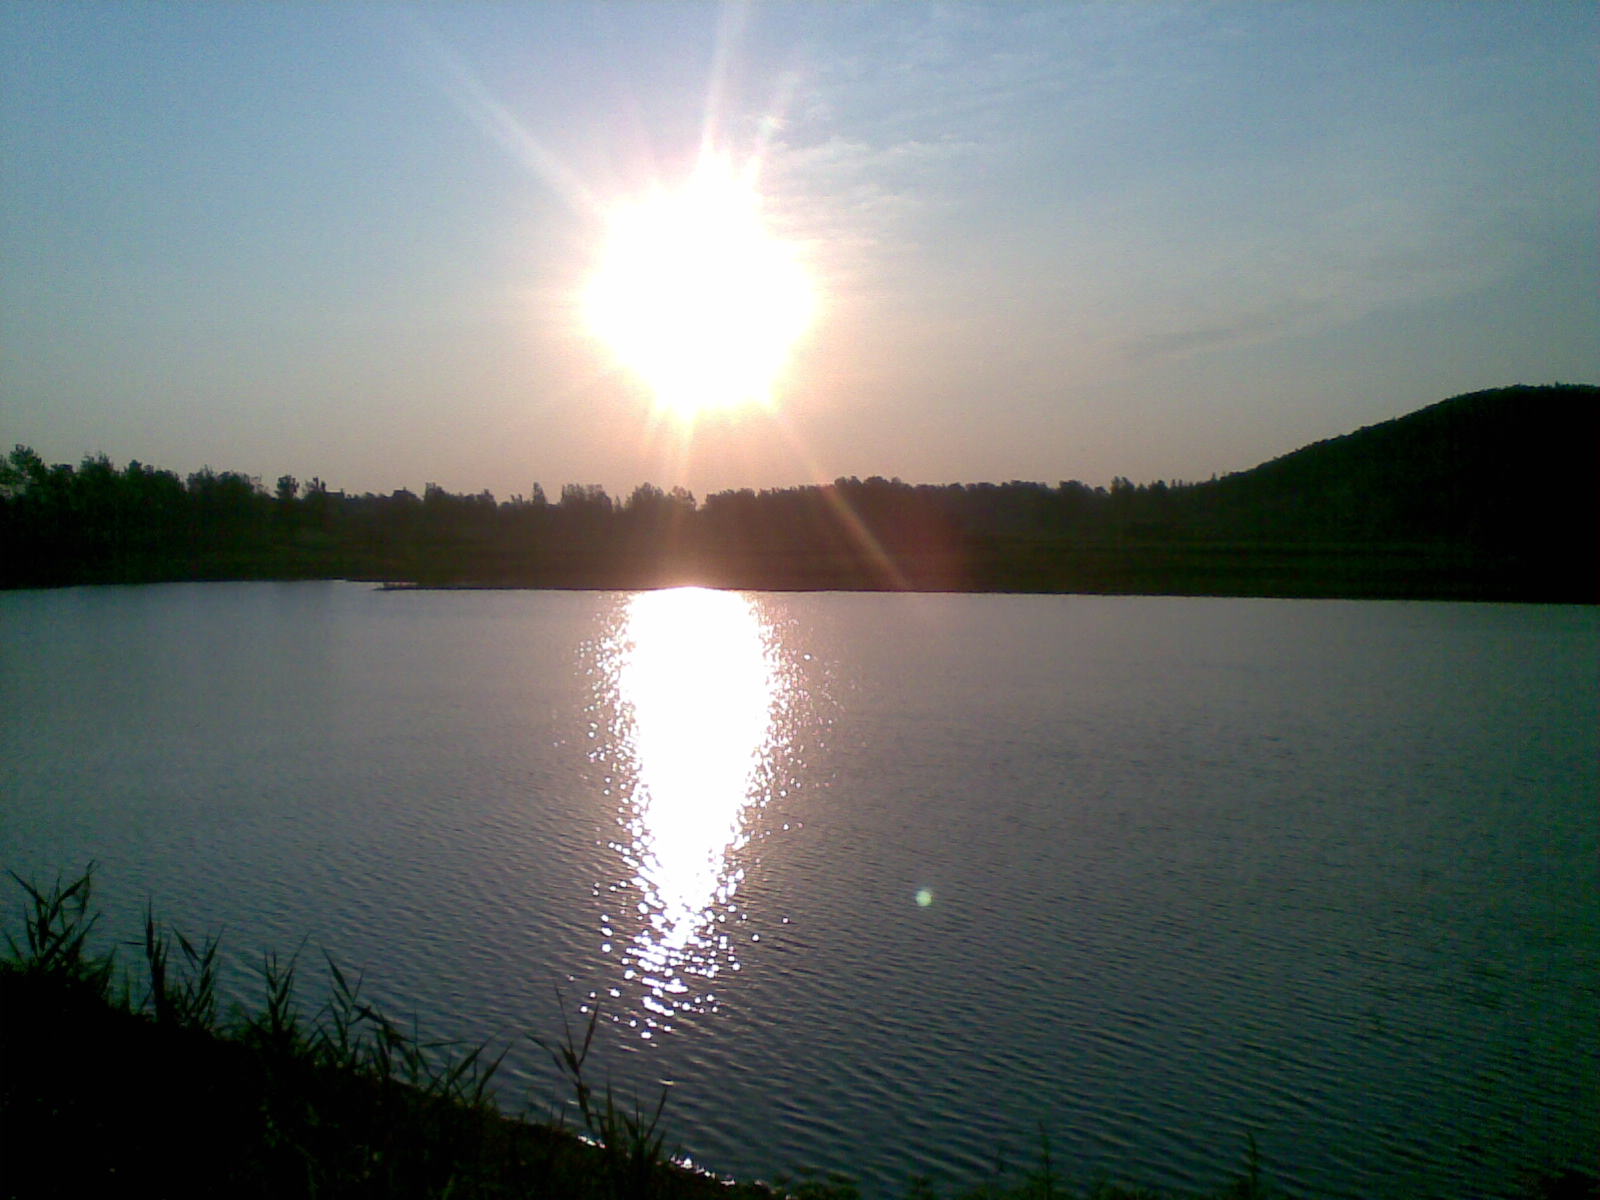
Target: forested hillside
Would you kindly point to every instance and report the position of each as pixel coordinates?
(1491, 495)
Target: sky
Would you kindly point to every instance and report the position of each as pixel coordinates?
(1048, 242)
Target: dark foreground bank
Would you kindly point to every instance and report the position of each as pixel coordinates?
(108, 1085)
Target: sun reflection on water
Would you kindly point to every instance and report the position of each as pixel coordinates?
(695, 694)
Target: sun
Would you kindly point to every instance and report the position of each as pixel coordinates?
(697, 297)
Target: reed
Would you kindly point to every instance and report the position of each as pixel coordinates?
(188, 1000)
(631, 1143)
(56, 926)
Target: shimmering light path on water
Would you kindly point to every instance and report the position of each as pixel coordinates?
(692, 689)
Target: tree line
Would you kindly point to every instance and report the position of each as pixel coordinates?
(1487, 495)
(96, 522)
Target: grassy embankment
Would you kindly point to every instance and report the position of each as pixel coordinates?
(151, 1091)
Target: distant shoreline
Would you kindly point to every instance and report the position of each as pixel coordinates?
(1293, 571)
(1488, 496)
(1376, 577)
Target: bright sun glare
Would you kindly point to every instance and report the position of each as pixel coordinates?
(697, 297)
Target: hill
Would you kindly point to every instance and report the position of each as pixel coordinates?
(1490, 468)
(1494, 494)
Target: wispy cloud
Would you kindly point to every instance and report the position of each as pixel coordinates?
(1145, 166)
(885, 124)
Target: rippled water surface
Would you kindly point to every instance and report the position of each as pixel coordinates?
(883, 883)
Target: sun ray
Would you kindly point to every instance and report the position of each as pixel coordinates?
(497, 122)
(888, 571)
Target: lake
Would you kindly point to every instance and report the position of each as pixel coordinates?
(881, 883)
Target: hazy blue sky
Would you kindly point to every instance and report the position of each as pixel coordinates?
(1056, 241)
